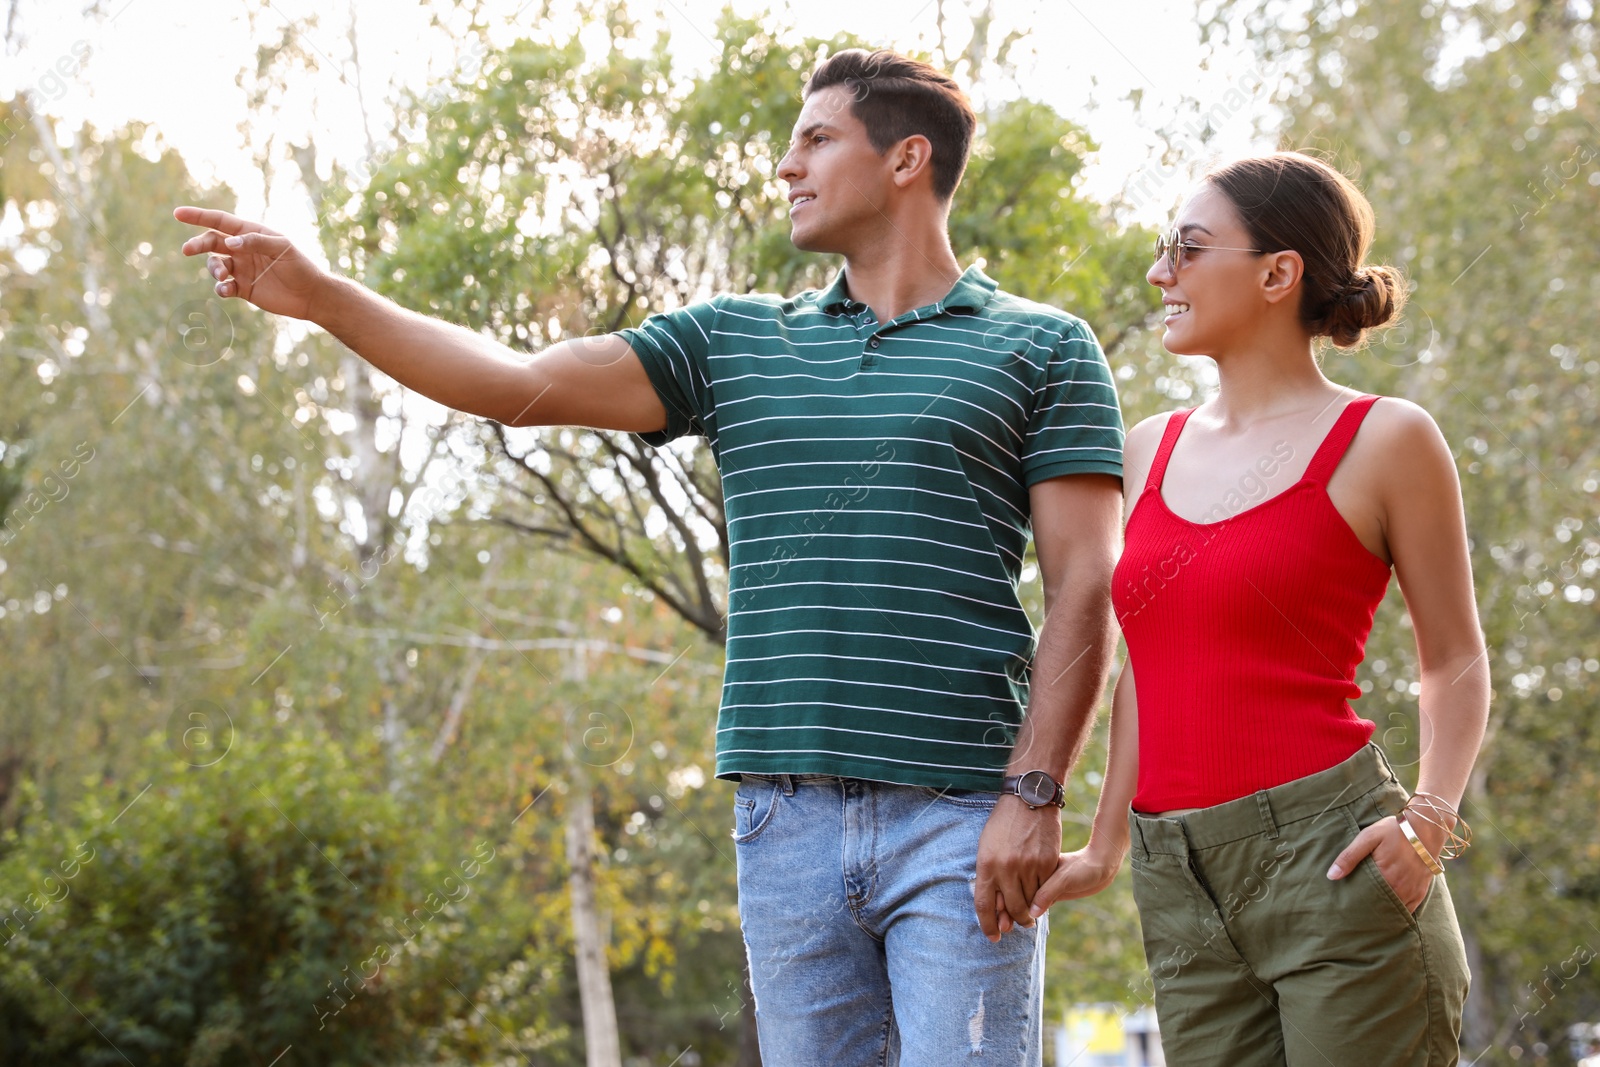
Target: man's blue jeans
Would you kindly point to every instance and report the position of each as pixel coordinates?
(856, 902)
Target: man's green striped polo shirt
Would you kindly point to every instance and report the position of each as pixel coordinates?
(875, 478)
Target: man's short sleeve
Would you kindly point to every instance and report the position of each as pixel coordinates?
(674, 346)
(1076, 425)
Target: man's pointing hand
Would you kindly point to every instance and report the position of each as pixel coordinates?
(249, 260)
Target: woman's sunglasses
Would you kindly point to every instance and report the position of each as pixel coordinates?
(1172, 247)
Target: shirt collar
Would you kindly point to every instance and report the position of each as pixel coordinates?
(970, 293)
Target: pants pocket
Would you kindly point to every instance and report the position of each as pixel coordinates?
(1360, 820)
(962, 798)
(754, 804)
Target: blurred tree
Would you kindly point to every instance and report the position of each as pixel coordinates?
(134, 487)
(194, 556)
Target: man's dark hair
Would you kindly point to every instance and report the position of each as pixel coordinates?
(896, 97)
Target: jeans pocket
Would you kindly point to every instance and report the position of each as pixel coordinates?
(754, 803)
(961, 798)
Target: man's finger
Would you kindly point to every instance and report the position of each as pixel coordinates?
(210, 218)
(210, 241)
(274, 246)
(1355, 851)
(984, 899)
(1015, 901)
(222, 221)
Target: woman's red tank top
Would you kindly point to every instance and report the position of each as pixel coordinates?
(1245, 634)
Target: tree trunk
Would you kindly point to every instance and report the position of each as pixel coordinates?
(600, 1037)
(601, 1041)
(1478, 1021)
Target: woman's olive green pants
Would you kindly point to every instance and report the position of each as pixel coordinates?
(1257, 958)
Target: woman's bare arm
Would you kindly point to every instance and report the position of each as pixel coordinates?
(1425, 532)
(1094, 867)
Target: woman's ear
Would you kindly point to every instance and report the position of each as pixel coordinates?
(1284, 271)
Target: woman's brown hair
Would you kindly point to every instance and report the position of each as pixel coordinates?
(1293, 202)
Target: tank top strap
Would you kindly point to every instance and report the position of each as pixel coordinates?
(1169, 438)
(1333, 447)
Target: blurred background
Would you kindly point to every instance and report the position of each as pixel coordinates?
(337, 728)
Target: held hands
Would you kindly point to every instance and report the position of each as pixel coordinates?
(263, 267)
(1094, 867)
(1017, 853)
(1078, 874)
(1397, 861)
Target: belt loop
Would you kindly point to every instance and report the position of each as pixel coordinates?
(1267, 820)
(1385, 765)
(788, 784)
(1138, 831)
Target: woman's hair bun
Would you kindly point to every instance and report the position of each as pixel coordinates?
(1371, 298)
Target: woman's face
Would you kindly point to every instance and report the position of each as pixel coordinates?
(1214, 297)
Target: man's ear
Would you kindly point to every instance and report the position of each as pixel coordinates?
(912, 158)
(1283, 273)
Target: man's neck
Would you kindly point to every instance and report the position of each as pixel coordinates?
(903, 269)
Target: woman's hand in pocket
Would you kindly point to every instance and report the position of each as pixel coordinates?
(1396, 860)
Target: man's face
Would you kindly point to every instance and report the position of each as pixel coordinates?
(837, 181)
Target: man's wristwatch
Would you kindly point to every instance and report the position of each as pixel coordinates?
(1036, 788)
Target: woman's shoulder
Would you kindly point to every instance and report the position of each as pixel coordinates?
(1139, 451)
(1399, 418)
(1146, 433)
(1397, 427)
(1401, 443)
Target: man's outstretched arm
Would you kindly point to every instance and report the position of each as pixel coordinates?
(590, 381)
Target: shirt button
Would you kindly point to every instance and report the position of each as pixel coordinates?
(872, 343)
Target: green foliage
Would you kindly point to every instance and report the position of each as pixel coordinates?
(127, 444)
(1018, 210)
(207, 915)
(196, 552)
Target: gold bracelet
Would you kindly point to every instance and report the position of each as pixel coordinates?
(1436, 801)
(1454, 843)
(1458, 835)
(1433, 865)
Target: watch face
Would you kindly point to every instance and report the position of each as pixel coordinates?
(1037, 788)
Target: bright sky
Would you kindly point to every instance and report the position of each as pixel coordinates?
(173, 64)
